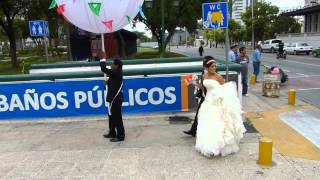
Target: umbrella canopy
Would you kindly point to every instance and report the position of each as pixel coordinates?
(99, 16)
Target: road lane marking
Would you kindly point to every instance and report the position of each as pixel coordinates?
(290, 61)
(308, 89)
(301, 74)
(306, 76)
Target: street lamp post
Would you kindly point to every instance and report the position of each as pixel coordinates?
(252, 38)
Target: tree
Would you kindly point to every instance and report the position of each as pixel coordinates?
(285, 24)
(264, 15)
(142, 36)
(235, 31)
(9, 10)
(40, 11)
(218, 35)
(185, 15)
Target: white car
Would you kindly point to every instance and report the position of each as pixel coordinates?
(271, 45)
(297, 48)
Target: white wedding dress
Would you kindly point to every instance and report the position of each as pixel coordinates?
(220, 125)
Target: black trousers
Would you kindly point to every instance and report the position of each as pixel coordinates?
(115, 119)
(194, 126)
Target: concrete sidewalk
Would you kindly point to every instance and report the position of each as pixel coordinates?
(155, 148)
(294, 129)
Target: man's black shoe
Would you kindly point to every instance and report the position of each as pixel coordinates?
(116, 139)
(190, 133)
(109, 136)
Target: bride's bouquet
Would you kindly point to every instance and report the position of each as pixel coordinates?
(191, 79)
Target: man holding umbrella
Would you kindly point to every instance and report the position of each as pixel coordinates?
(114, 98)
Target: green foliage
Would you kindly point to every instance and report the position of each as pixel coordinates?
(9, 11)
(21, 28)
(236, 33)
(267, 22)
(5, 66)
(218, 35)
(153, 54)
(264, 15)
(142, 36)
(148, 53)
(40, 11)
(285, 24)
(185, 15)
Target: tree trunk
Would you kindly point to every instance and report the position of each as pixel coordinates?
(13, 52)
(167, 40)
(13, 46)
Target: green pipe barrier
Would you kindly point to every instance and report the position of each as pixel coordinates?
(125, 62)
(127, 72)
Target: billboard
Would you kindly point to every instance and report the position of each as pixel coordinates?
(87, 97)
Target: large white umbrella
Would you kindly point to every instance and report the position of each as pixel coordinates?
(99, 16)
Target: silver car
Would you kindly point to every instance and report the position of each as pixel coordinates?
(298, 48)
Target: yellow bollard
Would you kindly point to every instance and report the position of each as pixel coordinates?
(265, 151)
(253, 79)
(292, 97)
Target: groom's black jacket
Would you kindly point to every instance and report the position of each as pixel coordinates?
(114, 82)
(201, 93)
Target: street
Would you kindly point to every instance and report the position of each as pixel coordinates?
(303, 71)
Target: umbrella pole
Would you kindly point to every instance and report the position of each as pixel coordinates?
(102, 42)
(103, 50)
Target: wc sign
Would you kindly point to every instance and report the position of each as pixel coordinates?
(38, 28)
(215, 15)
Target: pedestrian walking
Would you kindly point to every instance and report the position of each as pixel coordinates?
(201, 50)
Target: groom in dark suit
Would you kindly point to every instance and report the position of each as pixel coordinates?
(114, 98)
(200, 95)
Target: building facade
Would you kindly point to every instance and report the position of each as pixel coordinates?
(311, 23)
(239, 7)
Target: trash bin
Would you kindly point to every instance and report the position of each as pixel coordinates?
(271, 85)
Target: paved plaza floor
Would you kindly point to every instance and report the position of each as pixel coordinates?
(154, 149)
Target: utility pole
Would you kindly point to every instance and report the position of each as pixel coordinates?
(252, 18)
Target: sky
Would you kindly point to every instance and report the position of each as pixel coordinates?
(282, 4)
(286, 4)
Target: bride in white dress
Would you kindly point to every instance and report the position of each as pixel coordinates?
(220, 125)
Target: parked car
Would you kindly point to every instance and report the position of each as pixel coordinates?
(297, 48)
(271, 45)
(316, 52)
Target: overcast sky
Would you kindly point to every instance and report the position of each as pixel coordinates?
(286, 4)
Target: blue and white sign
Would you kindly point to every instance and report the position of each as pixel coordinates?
(38, 28)
(215, 15)
(87, 98)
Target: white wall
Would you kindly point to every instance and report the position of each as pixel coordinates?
(312, 39)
